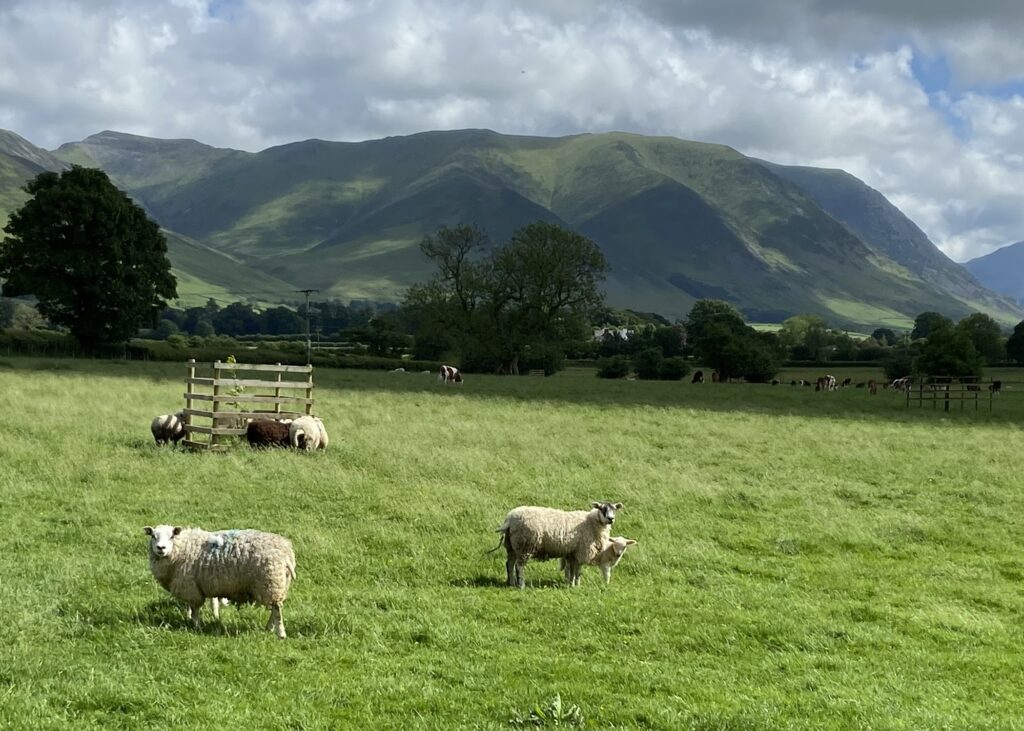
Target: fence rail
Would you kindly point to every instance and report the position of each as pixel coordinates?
(947, 391)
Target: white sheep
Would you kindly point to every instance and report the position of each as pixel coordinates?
(576, 536)
(238, 565)
(168, 428)
(609, 555)
(308, 432)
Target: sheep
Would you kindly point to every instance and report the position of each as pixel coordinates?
(267, 433)
(308, 433)
(609, 555)
(543, 533)
(240, 566)
(168, 428)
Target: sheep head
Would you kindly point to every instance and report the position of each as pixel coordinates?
(161, 539)
(606, 511)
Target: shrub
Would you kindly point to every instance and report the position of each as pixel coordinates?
(898, 365)
(648, 364)
(673, 369)
(614, 367)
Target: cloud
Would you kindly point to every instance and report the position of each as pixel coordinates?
(795, 81)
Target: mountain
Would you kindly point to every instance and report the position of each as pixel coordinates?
(677, 220)
(1002, 270)
(893, 236)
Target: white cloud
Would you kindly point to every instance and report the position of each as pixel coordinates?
(810, 82)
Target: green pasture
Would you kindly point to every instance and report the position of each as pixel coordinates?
(805, 560)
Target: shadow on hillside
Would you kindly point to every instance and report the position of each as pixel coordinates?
(580, 387)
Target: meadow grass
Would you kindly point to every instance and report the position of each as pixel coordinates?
(805, 560)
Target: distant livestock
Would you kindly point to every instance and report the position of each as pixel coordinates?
(825, 383)
(450, 375)
(267, 433)
(715, 376)
(307, 433)
(698, 377)
(872, 387)
(846, 382)
(996, 387)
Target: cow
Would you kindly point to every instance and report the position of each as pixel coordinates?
(450, 375)
(715, 376)
(996, 387)
(698, 377)
(847, 382)
(825, 383)
(872, 387)
(902, 384)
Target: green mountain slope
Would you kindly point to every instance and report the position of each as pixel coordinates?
(1002, 270)
(877, 222)
(678, 220)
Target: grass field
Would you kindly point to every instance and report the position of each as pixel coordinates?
(805, 560)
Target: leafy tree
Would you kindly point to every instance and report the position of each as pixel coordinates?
(885, 336)
(723, 341)
(985, 334)
(673, 369)
(949, 352)
(165, 328)
(613, 367)
(238, 318)
(535, 292)
(669, 339)
(898, 365)
(926, 322)
(1015, 345)
(95, 261)
(281, 321)
(19, 315)
(204, 329)
(709, 318)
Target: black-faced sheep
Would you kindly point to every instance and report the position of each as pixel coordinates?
(168, 428)
(241, 566)
(544, 533)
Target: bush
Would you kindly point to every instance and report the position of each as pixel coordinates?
(898, 365)
(648, 364)
(673, 369)
(614, 367)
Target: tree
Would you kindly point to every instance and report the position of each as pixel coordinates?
(949, 352)
(93, 258)
(534, 294)
(885, 336)
(648, 364)
(724, 342)
(926, 322)
(985, 334)
(1015, 345)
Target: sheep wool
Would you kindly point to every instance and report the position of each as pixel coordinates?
(267, 433)
(607, 558)
(544, 533)
(308, 433)
(241, 566)
(168, 428)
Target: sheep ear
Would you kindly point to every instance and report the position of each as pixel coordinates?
(617, 506)
(148, 530)
(595, 505)
(630, 542)
(176, 531)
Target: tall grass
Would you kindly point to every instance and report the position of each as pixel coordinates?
(805, 560)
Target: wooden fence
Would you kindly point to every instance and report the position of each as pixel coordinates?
(225, 400)
(950, 391)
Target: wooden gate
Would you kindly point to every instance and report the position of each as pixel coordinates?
(225, 401)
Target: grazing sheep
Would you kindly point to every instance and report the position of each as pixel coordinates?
(544, 533)
(267, 433)
(241, 566)
(609, 555)
(168, 428)
(308, 433)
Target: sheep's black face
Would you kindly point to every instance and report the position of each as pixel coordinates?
(606, 511)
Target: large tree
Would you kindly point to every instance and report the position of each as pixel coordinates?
(95, 261)
(985, 334)
(1015, 345)
(949, 352)
(723, 341)
(926, 322)
(527, 297)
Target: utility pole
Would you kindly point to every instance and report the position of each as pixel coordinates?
(309, 343)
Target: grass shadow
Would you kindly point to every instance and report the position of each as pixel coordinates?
(496, 582)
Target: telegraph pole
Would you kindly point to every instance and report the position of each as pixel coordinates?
(309, 343)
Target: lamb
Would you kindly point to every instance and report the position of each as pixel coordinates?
(267, 433)
(544, 533)
(240, 566)
(308, 433)
(610, 554)
(168, 428)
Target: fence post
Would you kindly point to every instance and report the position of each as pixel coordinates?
(189, 390)
(277, 393)
(214, 438)
(309, 392)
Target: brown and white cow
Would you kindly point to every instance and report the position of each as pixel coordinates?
(449, 374)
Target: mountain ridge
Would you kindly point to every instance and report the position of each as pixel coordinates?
(1001, 270)
(676, 218)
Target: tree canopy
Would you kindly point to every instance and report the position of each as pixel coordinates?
(986, 336)
(723, 341)
(926, 322)
(949, 352)
(1015, 345)
(96, 262)
(492, 307)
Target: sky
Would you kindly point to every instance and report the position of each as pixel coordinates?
(921, 99)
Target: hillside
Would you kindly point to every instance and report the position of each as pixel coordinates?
(677, 220)
(1002, 270)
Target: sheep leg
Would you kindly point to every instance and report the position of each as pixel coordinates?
(520, 572)
(607, 571)
(276, 623)
(194, 611)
